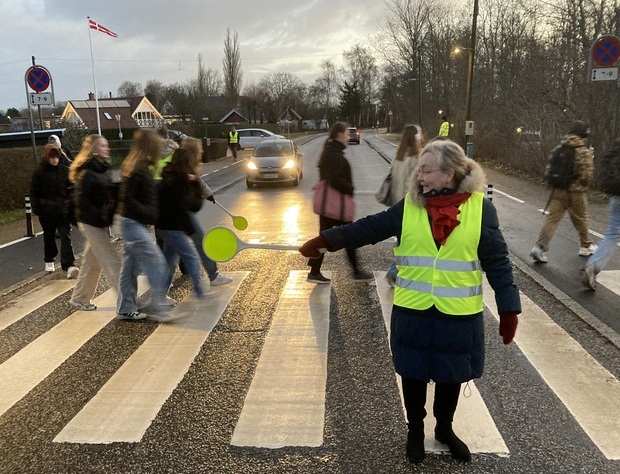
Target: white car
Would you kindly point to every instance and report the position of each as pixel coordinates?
(250, 137)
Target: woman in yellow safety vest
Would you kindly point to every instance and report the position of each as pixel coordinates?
(448, 235)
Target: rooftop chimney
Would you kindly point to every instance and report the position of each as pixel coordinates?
(91, 96)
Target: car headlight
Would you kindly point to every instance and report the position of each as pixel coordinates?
(252, 165)
(289, 164)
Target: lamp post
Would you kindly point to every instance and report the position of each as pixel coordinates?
(120, 132)
(469, 126)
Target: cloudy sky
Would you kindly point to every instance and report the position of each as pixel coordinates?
(162, 39)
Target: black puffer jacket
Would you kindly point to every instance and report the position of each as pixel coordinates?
(334, 168)
(50, 191)
(95, 194)
(178, 196)
(137, 197)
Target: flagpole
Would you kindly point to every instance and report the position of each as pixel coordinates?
(90, 40)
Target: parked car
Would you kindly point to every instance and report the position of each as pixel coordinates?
(250, 137)
(177, 136)
(275, 160)
(355, 134)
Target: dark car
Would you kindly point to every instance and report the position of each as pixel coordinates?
(177, 136)
(275, 160)
(355, 135)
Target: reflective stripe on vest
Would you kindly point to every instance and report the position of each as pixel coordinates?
(233, 137)
(449, 277)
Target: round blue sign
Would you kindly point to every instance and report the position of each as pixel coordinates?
(606, 51)
(38, 79)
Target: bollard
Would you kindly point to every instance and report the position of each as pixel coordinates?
(490, 192)
(29, 232)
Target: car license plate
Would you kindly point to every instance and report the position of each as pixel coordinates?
(270, 175)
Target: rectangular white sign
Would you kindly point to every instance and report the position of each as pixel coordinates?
(604, 74)
(41, 98)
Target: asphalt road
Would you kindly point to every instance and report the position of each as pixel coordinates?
(364, 426)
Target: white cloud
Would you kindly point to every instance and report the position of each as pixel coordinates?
(161, 40)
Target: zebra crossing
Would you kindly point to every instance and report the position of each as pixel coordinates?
(285, 403)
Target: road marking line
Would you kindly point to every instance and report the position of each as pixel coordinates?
(32, 300)
(590, 392)
(520, 201)
(609, 279)
(125, 406)
(26, 369)
(471, 412)
(285, 405)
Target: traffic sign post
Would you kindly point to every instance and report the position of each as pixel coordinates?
(603, 59)
(37, 79)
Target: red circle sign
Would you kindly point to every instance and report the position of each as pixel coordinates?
(38, 79)
(606, 51)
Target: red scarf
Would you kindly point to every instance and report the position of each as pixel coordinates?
(443, 211)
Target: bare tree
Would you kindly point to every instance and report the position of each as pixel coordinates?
(232, 66)
(130, 89)
(155, 91)
(282, 89)
(360, 69)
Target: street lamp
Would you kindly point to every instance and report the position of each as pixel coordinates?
(469, 125)
(120, 132)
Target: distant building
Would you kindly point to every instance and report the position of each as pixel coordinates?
(234, 116)
(133, 112)
(5, 124)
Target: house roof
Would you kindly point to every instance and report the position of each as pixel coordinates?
(234, 116)
(129, 109)
(4, 120)
(289, 112)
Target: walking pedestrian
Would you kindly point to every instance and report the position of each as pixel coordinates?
(335, 169)
(607, 180)
(194, 148)
(233, 142)
(449, 234)
(50, 195)
(138, 210)
(66, 158)
(574, 198)
(95, 198)
(179, 195)
(402, 168)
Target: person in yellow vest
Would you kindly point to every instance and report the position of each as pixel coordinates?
(167, 150)
(444, 128)
(233, 142)
(448, 235)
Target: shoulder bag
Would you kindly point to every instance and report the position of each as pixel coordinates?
(331, 203)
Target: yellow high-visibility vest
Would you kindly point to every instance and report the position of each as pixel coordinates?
(233, 137)
(444, 129)
(449, 277)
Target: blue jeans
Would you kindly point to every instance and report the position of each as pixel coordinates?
(177, 244)
(607, 246)
(209, 265)
(140, 254)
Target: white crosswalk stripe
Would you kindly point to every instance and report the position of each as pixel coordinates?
(285, 404)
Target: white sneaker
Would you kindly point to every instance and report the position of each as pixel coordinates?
(538, 254)
(220, 280)
(587, 251)
(49, 267)
(133, 315)
(83, 306)
(169, 301)
(72, 272)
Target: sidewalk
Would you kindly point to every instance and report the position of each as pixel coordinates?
(18, 229)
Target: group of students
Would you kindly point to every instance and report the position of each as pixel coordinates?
(160, 187)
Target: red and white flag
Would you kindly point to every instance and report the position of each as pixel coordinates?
(96, 26)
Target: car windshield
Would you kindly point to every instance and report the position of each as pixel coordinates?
(273, 149)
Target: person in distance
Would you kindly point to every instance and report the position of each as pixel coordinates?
(448, 235)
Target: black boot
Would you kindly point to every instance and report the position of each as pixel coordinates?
(415, 443)
(444, 406)
(414, 396)
(458, 449)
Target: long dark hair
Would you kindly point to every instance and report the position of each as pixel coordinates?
(336, 130)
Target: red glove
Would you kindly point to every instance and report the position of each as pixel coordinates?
(314, 247)
(508, 321)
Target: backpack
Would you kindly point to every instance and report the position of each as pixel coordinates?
(607, 177)
(561, 171)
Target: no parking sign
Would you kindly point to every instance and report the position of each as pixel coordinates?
(39, 80)
(604, 55)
